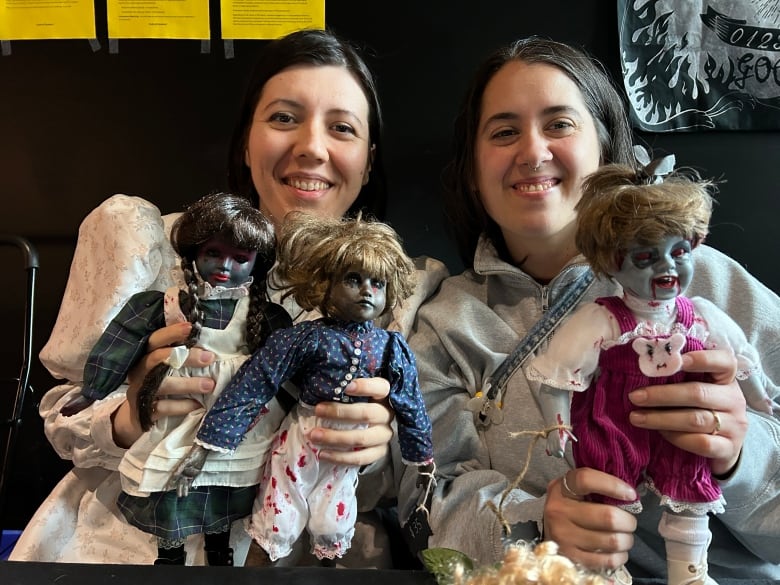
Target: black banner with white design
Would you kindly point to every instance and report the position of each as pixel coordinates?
(693, 65)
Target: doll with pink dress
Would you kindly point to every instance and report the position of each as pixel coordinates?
(641, 227)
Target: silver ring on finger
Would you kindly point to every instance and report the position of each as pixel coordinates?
(566, 490)
(716, 419)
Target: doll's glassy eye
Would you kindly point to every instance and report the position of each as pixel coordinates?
(378, 284)
(642, 258)
(352, 278)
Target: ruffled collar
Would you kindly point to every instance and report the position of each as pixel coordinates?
(212, 293)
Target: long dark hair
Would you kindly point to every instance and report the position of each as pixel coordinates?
(310, 47)
(466, 216)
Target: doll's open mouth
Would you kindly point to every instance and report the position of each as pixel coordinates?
(665, 281)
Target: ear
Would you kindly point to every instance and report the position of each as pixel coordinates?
(246, 157)
(369, 163)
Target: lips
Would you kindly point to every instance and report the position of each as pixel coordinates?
(308, 184)
(665, 282)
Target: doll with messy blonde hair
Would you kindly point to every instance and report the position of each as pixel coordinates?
(641, 228)
(352, 271)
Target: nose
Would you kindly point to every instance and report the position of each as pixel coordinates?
(532, 148)
(226, 263)
(312, 141)
(366, 289)
(665, 264)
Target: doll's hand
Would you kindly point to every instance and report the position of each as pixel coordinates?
(599, 536)
(705, 418)
(127, 426)
(357, 446)
(187, 470)
(556, 441)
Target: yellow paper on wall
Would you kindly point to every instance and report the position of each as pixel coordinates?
(269, 19)
(158, 19)
(46, 19)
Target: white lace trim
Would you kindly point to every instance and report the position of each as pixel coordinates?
(652, 330)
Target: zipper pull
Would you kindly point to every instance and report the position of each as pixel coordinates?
(545, 298)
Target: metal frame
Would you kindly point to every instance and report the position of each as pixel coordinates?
(23, 381)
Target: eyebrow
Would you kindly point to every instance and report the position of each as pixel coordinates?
(552, 110)
(295, 105)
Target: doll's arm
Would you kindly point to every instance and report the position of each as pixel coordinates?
(187, 470)
(554, 403)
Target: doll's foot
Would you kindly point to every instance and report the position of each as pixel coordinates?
(257, 557)
(620, 576)
(687, 573)
(220, 558)
(179, 560)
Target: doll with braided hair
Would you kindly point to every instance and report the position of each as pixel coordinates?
(226, 248)
(641, 227)
(352, 271)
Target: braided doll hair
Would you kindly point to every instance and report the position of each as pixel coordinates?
(314, 251)
(235, 221)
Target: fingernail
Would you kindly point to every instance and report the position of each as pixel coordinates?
(637, 418)
(206, 357)
(206, 385)
(638, 396)
(686, 360)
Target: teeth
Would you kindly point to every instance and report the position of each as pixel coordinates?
(307, 185)
(534, 187)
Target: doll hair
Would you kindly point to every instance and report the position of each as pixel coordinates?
(314, 251)
(528, 564)
(237, 222)
(620, 206)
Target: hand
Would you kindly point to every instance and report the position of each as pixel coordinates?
(127, 427)
(599, 536)
(556, 441)
(187, 470)
(357, 446)
(705, 418)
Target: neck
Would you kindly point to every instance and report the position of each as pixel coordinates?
(542, 259)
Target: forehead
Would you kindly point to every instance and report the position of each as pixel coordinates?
(530, 88)
(328, 87)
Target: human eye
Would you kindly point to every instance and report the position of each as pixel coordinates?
(282, 118)
(561, 126)
(503, 135)
(343, 128)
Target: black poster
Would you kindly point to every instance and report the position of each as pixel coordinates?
(693, 65)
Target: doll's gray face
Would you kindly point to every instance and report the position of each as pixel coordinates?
(357, 296)
(221, 264)
(659, 272)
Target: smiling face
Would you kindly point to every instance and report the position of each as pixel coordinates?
(357, 296)
(221, 264)
(659, 272)
(309, 146)
(533, 115)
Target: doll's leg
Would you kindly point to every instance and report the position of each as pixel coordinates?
(687, 539)
(218, 551)
(170, 552)
(333, 509)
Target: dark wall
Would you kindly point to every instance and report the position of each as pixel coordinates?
(154, 120)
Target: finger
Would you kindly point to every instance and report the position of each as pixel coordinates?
(351, 439)
(586, 481)
(372, 413)
(374, 388)
(693, 394)
(360, 457)
(175, 334)
(704, 421)
(720, 364)
(179, 407)
(567, 490)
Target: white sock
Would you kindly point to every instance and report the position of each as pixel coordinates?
(686, 537)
